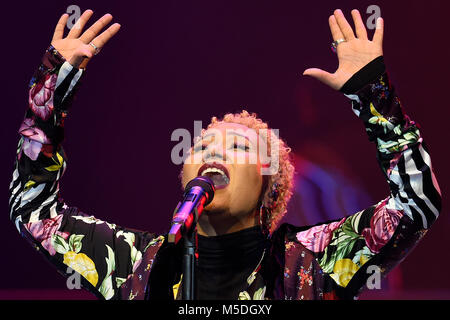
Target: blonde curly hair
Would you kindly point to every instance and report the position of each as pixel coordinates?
(278, 187)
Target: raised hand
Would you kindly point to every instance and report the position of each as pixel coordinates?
(354, 53)
(77, 47)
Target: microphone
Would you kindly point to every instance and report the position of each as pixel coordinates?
(199, 192)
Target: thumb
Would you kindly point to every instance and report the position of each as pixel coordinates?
(321, 75)
(78, 58)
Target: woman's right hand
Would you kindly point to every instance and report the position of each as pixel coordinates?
(75, 47)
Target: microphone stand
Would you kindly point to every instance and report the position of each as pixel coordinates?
(190, 261)
(184, 225)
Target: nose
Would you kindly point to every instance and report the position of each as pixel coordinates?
(214, 151)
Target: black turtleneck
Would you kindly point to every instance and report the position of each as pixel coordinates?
(225, 262)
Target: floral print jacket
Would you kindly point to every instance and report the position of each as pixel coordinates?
(332, 260)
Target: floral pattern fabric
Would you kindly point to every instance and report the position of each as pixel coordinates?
(326, 261)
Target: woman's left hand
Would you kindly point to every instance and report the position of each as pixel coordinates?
(354, 53)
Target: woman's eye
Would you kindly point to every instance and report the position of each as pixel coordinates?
(241, 146)
(200, 147)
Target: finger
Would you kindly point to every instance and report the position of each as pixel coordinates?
(106, 35)
(75, 31)
(59, 29)
(334, 28)
(343, 24)
(379, 31)
(92, 32)
(321, 75)
(360, 29)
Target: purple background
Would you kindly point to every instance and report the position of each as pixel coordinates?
(174, 62)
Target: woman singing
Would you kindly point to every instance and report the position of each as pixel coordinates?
(243, 252)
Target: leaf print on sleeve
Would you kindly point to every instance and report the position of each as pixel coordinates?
(106, 289)
(120, 281)
(135, 254)
(59, 244)
(92, 219)
(244, 296)
(403, 141)
(379, 119)
(342, 243)
(260, 294)
(58, 160)
(362, 256)
(155, 241)
(77, 261)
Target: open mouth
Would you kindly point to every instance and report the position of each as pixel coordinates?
(217, 173)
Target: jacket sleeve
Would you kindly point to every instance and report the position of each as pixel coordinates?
(101, 254)
(358, 248)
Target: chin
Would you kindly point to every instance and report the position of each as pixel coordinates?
(216, 207)
(214, 210)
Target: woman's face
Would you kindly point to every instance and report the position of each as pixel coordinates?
(227, 154)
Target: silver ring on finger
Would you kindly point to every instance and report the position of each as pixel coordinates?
(335, 43)
(97, 49)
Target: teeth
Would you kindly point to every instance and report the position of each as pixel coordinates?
(216, 170)
(213, 170)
